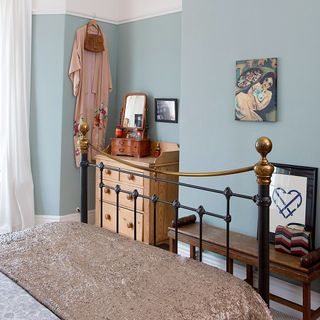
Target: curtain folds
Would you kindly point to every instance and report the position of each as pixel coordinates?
(16, 185)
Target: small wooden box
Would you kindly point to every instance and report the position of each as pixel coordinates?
(130, 147)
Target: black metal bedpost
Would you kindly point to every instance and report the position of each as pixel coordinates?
(176, 205)
(101, 184)
(263, 170)
(84, 146)
(154, 199)
(228, 193)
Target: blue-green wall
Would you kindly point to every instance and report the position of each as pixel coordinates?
(200, 47)
(215, 34)
(70, 186)
(149, 61)
(56, 179)
(144, 56)
(46, 110)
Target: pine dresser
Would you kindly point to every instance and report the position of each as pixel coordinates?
(167, 161)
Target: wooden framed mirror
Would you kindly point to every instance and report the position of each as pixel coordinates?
(132, 140)
(134, 111)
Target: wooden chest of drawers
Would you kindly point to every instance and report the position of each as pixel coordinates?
(168, 161)
(130, 147)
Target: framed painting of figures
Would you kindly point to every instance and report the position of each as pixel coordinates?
(256, 90)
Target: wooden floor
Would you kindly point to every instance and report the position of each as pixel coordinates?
(281, 316)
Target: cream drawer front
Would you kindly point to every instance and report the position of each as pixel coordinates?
(108, 194)
(126, 224)
(127, 200)
(130, 178)
(107, 174)
(110, 174)
(109, 216)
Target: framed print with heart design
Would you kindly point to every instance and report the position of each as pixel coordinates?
(293, 192)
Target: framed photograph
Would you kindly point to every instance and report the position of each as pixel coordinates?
(293, 192)
(256, 90)
(166, 110)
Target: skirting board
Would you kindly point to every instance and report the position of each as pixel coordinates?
(40, 219)
(278, 287)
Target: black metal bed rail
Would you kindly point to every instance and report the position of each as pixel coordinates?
(176, 204)
(263, 172)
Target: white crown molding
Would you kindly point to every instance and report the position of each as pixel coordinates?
(149, 16)
(106, 20)
(87, 16)
(278, 287)
(72, 13)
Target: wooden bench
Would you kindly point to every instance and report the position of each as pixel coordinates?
(245, 249)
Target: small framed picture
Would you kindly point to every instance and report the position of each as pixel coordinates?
(293, 193)
(166, 110)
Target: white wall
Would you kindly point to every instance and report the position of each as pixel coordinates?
(115, 11)
(105, 10)
(49, 6)
(137, 9)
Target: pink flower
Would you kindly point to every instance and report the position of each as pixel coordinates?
(97, 120)
(75, 128)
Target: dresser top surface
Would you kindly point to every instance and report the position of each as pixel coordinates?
(169, 154)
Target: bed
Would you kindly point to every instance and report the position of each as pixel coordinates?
(79, 271)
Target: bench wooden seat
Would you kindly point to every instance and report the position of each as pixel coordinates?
(245, 249)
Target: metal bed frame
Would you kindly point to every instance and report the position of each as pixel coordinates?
(263, 170)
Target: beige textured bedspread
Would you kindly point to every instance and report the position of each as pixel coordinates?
(84, 272)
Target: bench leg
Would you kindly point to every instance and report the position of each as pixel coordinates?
(172, 245)
(230, 266)
(249, 278)
(192, 252)
(306, 301)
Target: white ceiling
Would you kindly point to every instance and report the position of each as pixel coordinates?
(115, 11)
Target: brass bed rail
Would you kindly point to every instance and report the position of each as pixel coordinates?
(174, 173)
(263, 170)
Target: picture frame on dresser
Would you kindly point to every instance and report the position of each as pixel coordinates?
(166, 110)
(293, 193)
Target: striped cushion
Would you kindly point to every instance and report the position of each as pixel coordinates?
(292, 241)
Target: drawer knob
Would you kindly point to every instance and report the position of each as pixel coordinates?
(121, 142)
(130, 176)
(121, 149)
(107, 190)
(129, 196)
(107, 171)
(130, 225)
(107, 216)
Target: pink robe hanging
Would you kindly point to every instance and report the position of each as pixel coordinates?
(91, 78)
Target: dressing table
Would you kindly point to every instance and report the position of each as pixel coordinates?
(133, 141)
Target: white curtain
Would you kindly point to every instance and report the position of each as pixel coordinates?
(16, 185)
